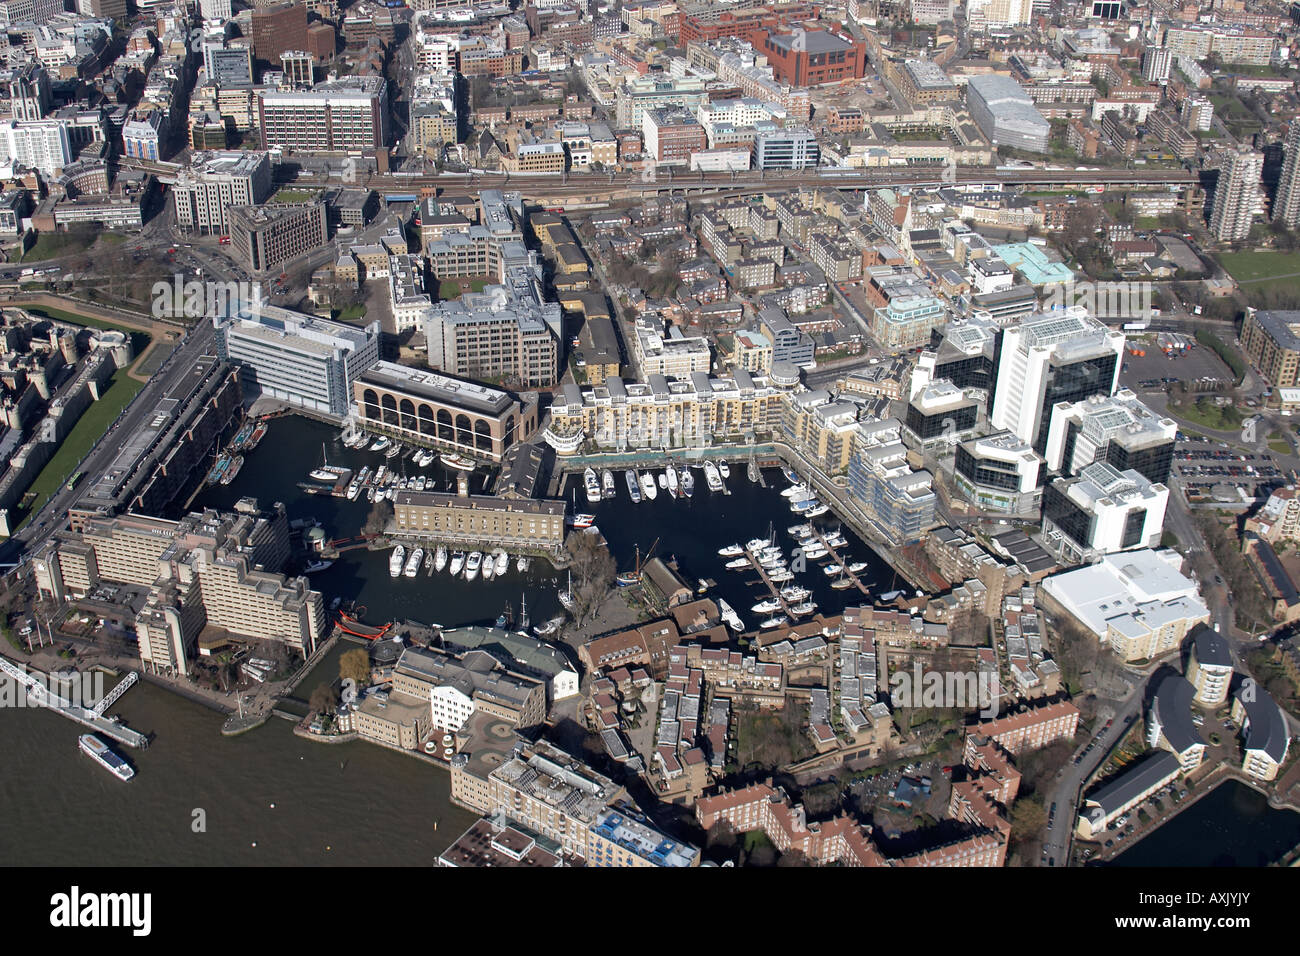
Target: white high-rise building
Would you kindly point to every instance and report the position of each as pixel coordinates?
(37, 144)
(28, 11)
(1156, 64)
(1061, 356)
(1236, 195)
(1102, 511)
(1286, 207)
(213, 182)
(215, 9)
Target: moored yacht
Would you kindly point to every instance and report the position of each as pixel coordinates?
(472, 564)
(413, 562)
(730, 616)
(712, 477)
(593, 486)
(607, 483)
(730, 551)
(633, 488)
(457, 563)
(397, 560)
(502, 562)
(688, 483)
(440, 559)
(671, 475)
(648, 487)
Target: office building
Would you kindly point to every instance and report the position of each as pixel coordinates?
(214, 182)
(42, 145)
(228, 65)
(143, 136)
(300, 359)
(422, 407)
(277, 28)
(923, 81)
(1137, 603)
(508, 332)
(215, 9)
(999, 472)
(1271, 341)
(940, 411)
(349, 114)
(102, 9)
(672, 136)
(813, 57)
(777, 147)
(38, 12)
(1103, 510)
(1119, 430)
(265, 237)
(211, 569)
(298, 68)
(1005, 113)
(27, 90)
(1237, 194)
(789, 344)
(1053, 357)
(459, 685)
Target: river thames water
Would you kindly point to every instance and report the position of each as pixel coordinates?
(271, 798)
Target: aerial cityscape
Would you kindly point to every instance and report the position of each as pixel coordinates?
(650, 433)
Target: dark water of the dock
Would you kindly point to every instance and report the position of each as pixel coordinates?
(349, 803)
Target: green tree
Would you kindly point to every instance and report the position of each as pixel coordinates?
(355, 664)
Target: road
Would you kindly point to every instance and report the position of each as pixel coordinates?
(197, 342)
(1065, 793)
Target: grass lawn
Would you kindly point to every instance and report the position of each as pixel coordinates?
(89, 428)
(1256, 266)
(293, 195)
(352, 313)
(48, 245)
(753, 839)
(1204, 412)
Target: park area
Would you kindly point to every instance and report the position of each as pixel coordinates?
(1263, 270)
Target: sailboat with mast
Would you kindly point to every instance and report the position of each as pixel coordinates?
(566, 598)
(326, 472)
